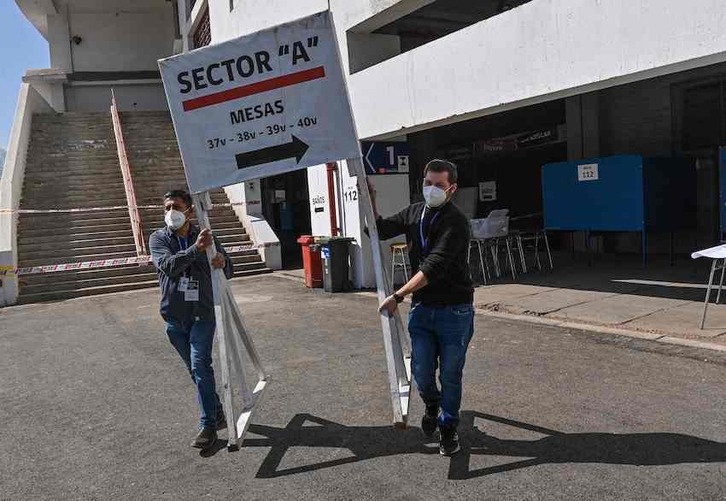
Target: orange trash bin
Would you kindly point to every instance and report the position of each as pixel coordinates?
(312, 262)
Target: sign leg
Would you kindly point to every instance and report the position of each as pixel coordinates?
(396, 360)
(251, 398)
(238, 323)
(201, 204)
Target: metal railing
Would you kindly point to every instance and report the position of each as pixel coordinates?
(134, 215)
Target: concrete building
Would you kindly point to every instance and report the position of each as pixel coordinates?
(500, 86)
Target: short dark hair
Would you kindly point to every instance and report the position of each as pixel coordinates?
(181, 195)
(437, 165)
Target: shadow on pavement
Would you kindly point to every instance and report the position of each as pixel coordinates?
(641, 449)
(364, 443)
(219, 445)
(621, 274)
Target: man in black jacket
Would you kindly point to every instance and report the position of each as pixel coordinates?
(441, 321)
(187, 305)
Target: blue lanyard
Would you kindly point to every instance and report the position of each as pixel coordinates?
(183, 247)
(425, 240)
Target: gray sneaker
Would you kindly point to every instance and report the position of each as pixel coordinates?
(448, 441)
(205, 439)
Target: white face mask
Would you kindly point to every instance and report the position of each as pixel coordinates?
(434, 196)
(175, 219)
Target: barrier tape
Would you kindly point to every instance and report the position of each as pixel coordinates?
(101, 263)
(115, 207)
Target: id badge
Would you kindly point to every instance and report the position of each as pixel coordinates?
(192, 291)
(183, 284)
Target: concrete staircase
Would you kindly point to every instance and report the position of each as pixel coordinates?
(157, 168)
(72, 163)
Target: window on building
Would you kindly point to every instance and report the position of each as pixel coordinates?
(422, 26)
(203, 33)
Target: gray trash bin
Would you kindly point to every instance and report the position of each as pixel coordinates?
(336, 259)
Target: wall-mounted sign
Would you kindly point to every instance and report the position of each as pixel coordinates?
(520, 141)
(488, 191)
(318, 203)
(403, 163)
(385, 157)
(587, 172)
(459, 154)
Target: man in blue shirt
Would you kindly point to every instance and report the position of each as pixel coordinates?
(187, 304)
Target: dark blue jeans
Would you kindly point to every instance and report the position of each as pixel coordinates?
(439, 338)
(193, 341)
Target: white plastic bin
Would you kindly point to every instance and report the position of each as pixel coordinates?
(493, 226)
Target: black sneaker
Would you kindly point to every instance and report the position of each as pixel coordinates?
(449, 441)
(429, 420)
(205, 439)
(221, 419)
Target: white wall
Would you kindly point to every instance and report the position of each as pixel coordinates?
(130, 39)
(392, 196)
(542, 50)
(139, 97)
(11, 184)
(122, 41)
(249, 16)
(52, 92)
(253, 15)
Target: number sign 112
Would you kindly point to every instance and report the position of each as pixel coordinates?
(587, 172)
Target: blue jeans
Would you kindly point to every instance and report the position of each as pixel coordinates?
(193, 341)
(440, 337)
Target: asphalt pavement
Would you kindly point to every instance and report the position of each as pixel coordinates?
(95, 404)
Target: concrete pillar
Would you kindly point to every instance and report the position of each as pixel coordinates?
(590, 125)
(583, 126)
(583, 137)
(184, 24)
(59, 40)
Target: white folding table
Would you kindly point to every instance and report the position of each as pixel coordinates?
(718, 257)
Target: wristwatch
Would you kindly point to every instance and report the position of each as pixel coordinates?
(399, 299)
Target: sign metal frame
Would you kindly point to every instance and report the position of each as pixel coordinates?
(235, 344)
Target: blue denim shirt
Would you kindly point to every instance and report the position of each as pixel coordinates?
(173, 260)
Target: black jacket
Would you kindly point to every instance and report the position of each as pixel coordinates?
(446, 235)
(171, 265)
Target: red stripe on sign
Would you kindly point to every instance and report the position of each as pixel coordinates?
(255, 88)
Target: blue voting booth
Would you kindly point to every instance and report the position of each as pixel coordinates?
(626, 193)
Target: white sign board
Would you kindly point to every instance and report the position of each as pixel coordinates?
(488, 191)
(260, 105)
(587, 172)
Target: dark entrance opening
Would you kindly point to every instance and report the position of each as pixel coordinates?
(286, 207)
